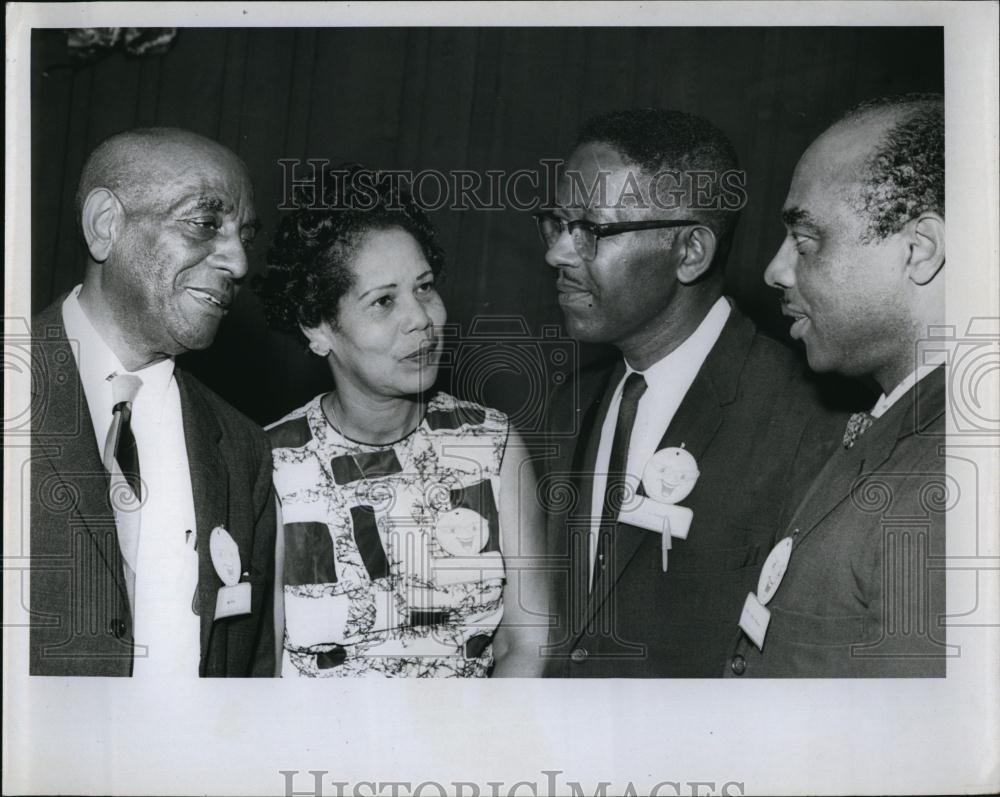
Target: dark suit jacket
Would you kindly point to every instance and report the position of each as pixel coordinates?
(741, 419)
(80, 617)
(864, 593)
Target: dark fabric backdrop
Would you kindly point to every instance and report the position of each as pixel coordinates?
(452, 98)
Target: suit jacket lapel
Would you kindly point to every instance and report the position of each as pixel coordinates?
(693, 427)
(598, 393)
(717, 384)
(211, 507)
(914, 412)
(66, 438)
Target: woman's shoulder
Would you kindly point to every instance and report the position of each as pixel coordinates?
(446, 412)
(293, 430)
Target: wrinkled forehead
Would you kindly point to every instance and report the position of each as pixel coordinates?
(595, 177)
(208, 177)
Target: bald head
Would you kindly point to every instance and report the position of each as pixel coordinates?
(861, 265)
(167, 216)
(886, 156)
(136, 164)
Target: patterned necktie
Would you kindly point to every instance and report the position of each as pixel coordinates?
(857, 426)
(614, 487)
(120, 445)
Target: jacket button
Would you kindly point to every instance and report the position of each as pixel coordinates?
(738, 665)
(579, 655)
(117, 628)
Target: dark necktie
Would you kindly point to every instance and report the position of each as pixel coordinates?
(615, 487)
(120, 446)
(858, 424)
(121, 460)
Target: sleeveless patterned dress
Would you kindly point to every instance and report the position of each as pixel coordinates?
(392, 552)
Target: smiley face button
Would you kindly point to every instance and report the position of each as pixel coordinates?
(462, 532)
(670, 475)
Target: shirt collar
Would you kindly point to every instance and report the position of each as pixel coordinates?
(691, 354)
(96, 361)
(932, 361)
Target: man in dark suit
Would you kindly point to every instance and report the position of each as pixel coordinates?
(856, 587)
(152, 512)
(645, 212)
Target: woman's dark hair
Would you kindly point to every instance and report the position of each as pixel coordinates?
(309, 261)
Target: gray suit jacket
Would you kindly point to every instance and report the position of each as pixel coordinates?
(864, 593)
(81, 622)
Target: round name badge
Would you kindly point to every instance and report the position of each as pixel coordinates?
(670, 475)
(462, 532)
(774, 570)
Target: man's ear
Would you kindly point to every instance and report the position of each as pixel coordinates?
(101, 213)
(926, 247)
(319, 338)
(697, 254)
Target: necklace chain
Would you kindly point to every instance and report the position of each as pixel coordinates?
(336, 419)
(339, 426)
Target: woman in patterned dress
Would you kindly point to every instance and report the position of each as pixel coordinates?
(402, 509)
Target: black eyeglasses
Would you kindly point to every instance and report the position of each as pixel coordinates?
(585, 234)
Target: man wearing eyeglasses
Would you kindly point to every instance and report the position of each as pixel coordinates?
(644, 215)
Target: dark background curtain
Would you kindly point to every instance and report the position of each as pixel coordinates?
(446, 99)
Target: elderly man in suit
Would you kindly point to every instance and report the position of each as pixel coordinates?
(856, 586)
(680, 464)
(152, 513)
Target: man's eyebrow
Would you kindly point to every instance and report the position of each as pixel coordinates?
(797, 217)
(569, 210)
(213, 203)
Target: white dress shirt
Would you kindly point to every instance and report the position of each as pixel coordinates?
(667, 382)
(167, 632)
(934, 359)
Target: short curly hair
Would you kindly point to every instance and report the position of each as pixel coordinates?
(903, 176)
(309, 260)
(658, 139)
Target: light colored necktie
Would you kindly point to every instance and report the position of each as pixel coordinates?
(121, 460)
(858, 424)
